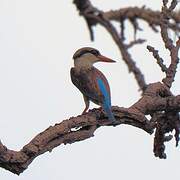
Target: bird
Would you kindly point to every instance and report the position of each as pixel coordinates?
(90, 81)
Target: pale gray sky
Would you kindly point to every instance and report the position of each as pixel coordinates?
(37, 41)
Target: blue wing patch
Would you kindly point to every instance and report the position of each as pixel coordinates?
(102, 87)
(107, 101)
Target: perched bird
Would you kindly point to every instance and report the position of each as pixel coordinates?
(90, 81)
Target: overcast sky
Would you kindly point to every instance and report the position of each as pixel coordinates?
(37, 41)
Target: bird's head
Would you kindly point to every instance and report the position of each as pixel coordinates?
(87, 56)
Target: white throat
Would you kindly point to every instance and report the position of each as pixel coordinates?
(83, 64)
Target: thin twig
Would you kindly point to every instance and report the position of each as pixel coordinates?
(158, 58)
(168, 42)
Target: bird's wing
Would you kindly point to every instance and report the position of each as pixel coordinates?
(106, 98)
(87, 82)
(84, 81)
(93, 84)
(104, 91)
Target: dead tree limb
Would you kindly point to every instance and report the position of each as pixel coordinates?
(149, 16)
(168, 120)
(82, 127)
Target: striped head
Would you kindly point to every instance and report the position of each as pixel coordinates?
(87, 56)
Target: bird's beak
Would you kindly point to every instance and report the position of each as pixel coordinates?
(105, 59)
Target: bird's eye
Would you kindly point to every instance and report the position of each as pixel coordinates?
(95, 52)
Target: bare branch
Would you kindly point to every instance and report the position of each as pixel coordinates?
(170, 75)
(148, 15)
(173, 49)
(138, 41)
(82, 127)
(158, 58)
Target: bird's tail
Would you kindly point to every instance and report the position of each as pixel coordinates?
(110, 114)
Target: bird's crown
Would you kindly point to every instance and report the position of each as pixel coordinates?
(85, 50)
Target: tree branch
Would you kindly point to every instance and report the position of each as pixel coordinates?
(145, 14)
(165, 17)
(158, 58)
(82, 127)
